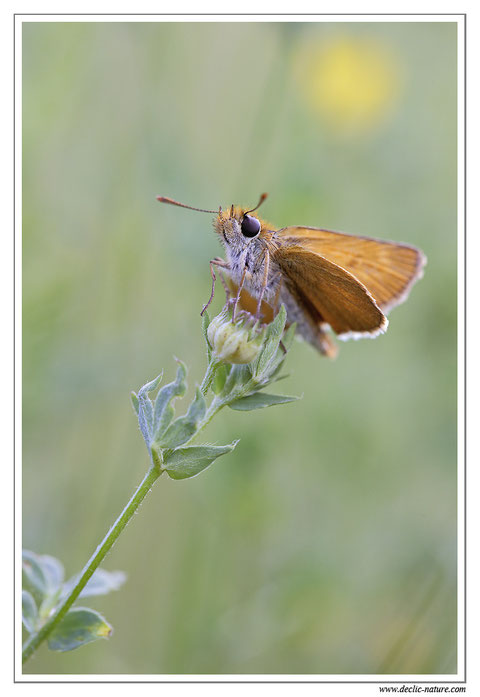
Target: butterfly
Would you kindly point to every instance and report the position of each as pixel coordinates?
(327, 280)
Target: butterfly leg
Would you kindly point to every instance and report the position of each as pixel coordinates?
(225, 285)
(221, 264)
(237, 297)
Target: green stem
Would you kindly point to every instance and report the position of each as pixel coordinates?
(212, 410)
(94, 562)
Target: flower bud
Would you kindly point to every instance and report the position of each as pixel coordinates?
(233, 342)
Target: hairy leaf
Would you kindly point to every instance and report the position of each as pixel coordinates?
(163, 411)
(29, 611)
(259, 400)
(183, 428)
(101, 583)
(272, 340)
(80, 626)
(183, 463)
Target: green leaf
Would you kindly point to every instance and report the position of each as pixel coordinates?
(33, 575)
(259, 400)
(238, 378)
(184, 427)
(49, 603)
(53, 570)
(101, 583)
(178, 433)
(145, 417)
(273, 337)
(145, 409)
(220, 378)
(231, 378)
(183, 463)
(150, 386)
(288, 336)
(163, 411)
(80, 626)
(29, 612)
(42, 574)
(275, 367)
(134, 399)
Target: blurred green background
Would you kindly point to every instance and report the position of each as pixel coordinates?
(326, 543)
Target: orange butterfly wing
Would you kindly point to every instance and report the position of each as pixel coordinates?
(324, 289)
(387, 269)
(249, 303)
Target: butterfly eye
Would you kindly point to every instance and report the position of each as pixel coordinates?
(250, 226)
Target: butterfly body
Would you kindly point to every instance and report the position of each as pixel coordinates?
(326, 280)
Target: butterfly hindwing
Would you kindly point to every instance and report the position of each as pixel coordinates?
(339, 298)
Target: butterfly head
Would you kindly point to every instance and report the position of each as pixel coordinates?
(238, 226)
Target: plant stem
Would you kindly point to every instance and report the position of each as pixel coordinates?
(212, 410)
(94, 562)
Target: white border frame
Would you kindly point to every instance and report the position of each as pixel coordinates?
(352, 679)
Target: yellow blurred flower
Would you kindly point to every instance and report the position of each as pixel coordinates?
(351, 82)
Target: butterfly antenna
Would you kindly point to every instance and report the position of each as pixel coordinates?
(262, 199)
(165, 199)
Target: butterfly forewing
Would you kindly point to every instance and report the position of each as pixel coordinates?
(386, 269)
(330, 291)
